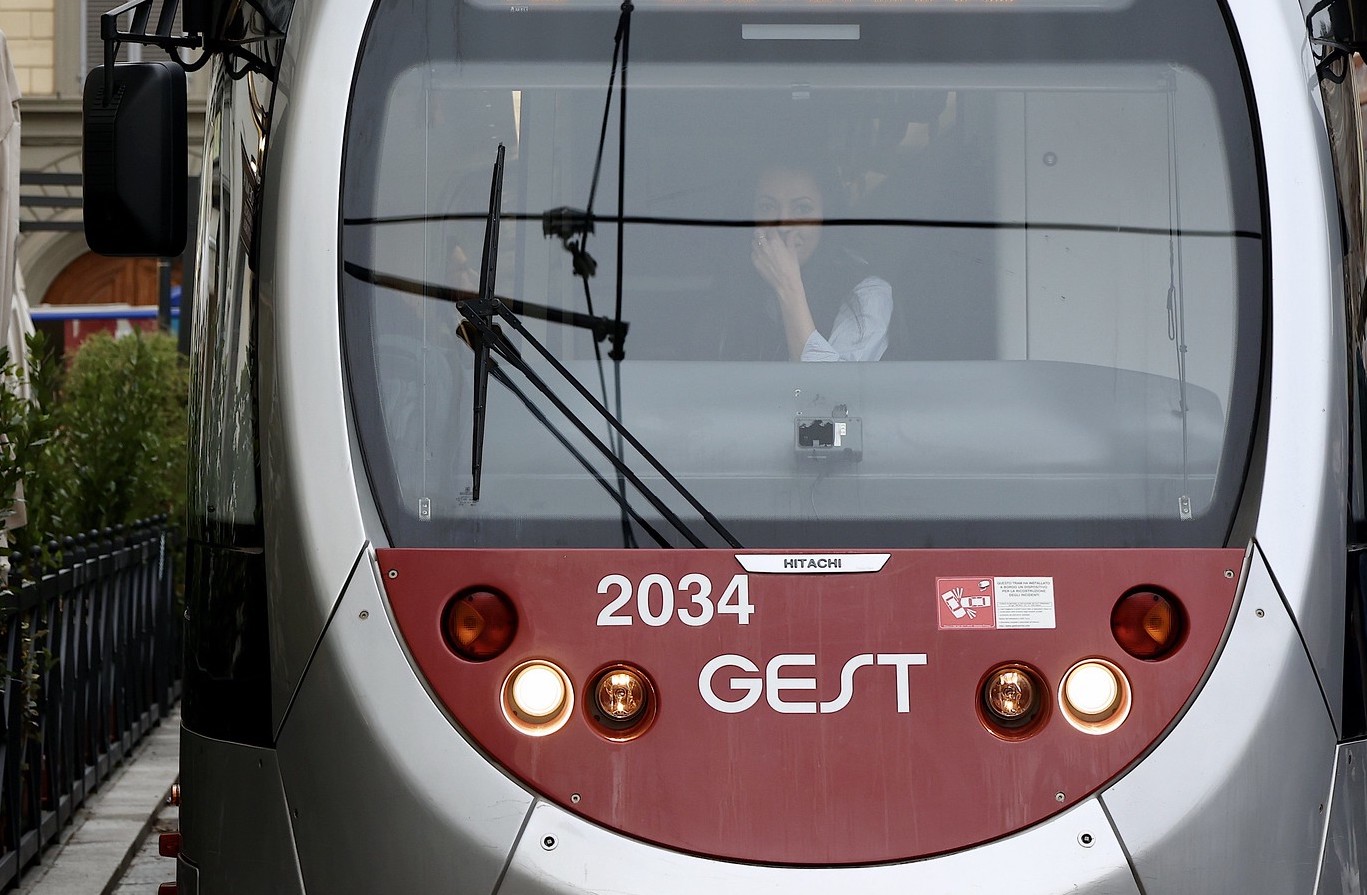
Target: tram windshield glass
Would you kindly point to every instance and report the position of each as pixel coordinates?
(846, 275)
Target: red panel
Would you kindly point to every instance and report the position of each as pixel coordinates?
(865, 783)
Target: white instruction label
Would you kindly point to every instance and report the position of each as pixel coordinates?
(1024, 602)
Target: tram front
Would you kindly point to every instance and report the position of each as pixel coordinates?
(803, 446)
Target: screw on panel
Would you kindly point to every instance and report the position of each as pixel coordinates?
(1059, 797)
(393, 573)
(364, 614)
(1085, 840)
(1229, 573)
(1260, 613)
(548, 842)
(575, 797)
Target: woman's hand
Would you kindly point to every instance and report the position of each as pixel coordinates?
(777, 263)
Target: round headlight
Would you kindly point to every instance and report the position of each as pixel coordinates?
(1092, 691)
(1012, 701)
(621, 694)
(621, 702)
(537, 697)
(1095, 696)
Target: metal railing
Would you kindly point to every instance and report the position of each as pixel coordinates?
(92, 653)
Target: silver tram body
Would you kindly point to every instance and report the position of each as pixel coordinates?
(317, 756)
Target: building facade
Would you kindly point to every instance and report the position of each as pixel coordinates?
(53, 44)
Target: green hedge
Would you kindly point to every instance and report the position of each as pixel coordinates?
(100, 443)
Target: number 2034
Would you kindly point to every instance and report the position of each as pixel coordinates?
(657, 600)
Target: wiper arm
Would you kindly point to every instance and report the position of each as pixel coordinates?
(502, 348)
(499, 345)
(601, 327)
(612, 491)
(485, 336)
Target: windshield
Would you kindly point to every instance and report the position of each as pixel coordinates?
(888, 275)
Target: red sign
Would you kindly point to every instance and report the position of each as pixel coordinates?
(966, 603)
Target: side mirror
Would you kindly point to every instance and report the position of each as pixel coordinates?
(135, 156)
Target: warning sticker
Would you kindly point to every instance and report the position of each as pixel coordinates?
(995, 603)
(967, 602)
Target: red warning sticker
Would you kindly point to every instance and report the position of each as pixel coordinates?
(995, 603)
(967, 602)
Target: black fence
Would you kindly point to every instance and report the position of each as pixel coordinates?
(92, 661)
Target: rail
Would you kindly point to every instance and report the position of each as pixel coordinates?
(92, 661)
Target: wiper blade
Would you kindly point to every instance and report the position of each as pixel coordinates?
(480, 313)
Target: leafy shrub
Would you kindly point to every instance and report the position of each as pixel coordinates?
(122, 416)
(33, 453)
(102, 444)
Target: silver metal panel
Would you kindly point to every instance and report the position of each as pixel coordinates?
(560, 853)
(1343, 867)
(1301, 522)
(312, 517)
(387, 796)
(229, 789)
(1233, 800)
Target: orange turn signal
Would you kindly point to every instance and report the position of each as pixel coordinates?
(1148, 624)
(479, 624)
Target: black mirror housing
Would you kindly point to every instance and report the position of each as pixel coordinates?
(135, 156)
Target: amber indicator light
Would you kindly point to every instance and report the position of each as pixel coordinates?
(479, 624)
(622, 702)
(1012, 701)
(1148, 624)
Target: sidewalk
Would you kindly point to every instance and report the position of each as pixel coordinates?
(110, 848)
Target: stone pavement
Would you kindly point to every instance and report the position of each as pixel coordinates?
(111, 846)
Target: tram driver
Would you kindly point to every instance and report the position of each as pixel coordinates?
(812, 299)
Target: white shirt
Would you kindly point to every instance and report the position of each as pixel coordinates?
(860, 331)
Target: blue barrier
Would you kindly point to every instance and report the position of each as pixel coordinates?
(76, 312)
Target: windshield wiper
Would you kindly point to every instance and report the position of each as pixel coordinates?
(484, 337)
(499, 345)
(480, 313)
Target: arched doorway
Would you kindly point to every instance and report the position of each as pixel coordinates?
(95, 280)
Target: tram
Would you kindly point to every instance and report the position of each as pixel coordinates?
(533, 549)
